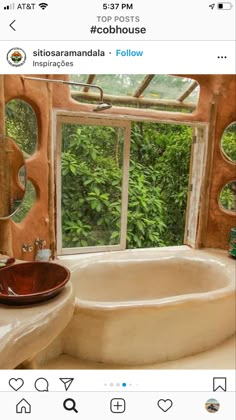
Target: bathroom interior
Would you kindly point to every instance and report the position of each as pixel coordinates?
(117, 221)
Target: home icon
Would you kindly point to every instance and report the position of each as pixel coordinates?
(23, 407)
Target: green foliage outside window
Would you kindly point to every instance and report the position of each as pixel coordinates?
(161, 154)
(21, 125)
(27, 203)
(229, 142)
(91, 185)
(228, 196)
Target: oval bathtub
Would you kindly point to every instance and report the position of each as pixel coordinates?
(144, 306)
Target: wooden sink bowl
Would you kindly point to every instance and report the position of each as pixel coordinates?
(31, 282)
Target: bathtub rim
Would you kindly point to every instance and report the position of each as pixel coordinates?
(222, 258)
(91, 305)
(75, 261)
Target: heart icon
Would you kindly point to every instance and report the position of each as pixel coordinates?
(164, 405)
(16, 384)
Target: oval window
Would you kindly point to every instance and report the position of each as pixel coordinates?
(12, 177)
(21, 125)
(27, 203)
(228, 196)
(228, 142)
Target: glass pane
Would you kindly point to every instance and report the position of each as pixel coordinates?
(27, 204)
(158, 184)
(112, 84)
(91, 162)
(228, 142)
(21, 125)
(79, 78)
(164, 86)
(194, 96)
(119, 84)
(228, 196)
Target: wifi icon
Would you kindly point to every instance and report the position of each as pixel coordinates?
(43, 5)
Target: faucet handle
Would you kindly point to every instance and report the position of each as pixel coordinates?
(40, 243)
(27, 248)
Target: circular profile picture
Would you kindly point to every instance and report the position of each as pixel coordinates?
(212, 405)
(16, 57)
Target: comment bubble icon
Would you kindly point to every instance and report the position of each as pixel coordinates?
(41, 385)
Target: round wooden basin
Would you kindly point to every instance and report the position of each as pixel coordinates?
(31, 282)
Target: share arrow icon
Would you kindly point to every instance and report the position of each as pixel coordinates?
(67, 382)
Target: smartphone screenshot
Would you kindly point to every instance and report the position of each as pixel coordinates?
(117, 210)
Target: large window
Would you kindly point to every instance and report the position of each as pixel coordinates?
(126, 185)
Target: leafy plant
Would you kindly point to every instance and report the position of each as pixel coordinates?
(229, 142)
(92, 184)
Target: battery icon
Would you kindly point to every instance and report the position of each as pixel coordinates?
(225, 6)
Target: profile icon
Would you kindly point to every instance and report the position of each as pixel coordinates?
(212, 405)
(16, 57)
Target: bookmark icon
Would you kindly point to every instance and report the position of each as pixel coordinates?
(219, 384)
(66, 382)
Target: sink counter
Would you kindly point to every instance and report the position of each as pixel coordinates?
(26, 330)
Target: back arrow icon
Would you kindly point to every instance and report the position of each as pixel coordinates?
(12, 24)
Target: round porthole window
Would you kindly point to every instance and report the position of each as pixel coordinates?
(228, 196)
(228, 142)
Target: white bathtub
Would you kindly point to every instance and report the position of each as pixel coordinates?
(144, 306)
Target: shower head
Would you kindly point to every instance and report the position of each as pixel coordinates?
(102, 106)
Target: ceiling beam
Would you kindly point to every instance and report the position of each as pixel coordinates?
(131, 100)
(188, 91)
(144, 84)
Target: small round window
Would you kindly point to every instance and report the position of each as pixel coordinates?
(228, 142)
(228, 196)
(21, 125)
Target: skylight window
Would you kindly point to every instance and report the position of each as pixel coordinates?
(160, 92)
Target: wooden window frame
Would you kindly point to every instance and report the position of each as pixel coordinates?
(87, 120)
(197, 200)
(196, 207)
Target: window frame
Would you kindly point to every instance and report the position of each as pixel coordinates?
(197, 186)
(196, 207)
(95, 121)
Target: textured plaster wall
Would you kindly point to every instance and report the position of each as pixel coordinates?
(223, 170)
(43, 97)
(36, 223)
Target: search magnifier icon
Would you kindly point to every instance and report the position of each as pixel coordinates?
(70, 405)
